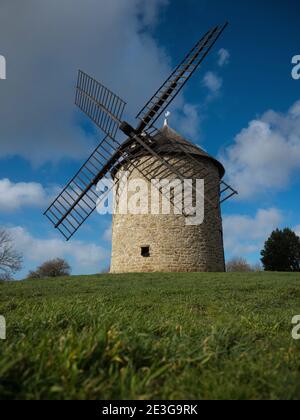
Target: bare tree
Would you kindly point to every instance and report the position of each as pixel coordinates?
(10, 259)
(238, 265)
(257, 268)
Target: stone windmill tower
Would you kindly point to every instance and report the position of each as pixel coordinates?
(149, 242)
(165, 242)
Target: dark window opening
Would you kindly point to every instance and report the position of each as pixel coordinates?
(145, 251)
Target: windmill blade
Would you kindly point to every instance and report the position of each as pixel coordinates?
(226, 192)
(173, 85)
(101, 105)
(176, 164)
(164, 166)
(79, 198)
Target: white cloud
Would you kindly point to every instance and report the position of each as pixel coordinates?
(85, 258)
(151, 10)
(297, 230)
(212, 82)
(107, 235)
(188, 122)
(14, 196)
(111, 40)
(244, 235)
(224, 57)
(266, 154)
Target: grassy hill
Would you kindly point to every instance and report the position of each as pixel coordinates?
(156, 336)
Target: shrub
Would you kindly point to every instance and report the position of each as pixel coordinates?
(52, 268)
(238, 265)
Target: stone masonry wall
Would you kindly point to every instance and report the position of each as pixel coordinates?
(174, 246)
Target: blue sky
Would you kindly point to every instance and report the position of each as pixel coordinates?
(243, 109)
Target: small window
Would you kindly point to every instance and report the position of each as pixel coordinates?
(145, 251)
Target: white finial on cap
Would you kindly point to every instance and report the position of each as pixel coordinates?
(166, 123)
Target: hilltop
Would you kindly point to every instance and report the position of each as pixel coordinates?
(151, 336)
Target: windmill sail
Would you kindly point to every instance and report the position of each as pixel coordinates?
(79, 198)
(226, 192)
(101, 105)
(176, 81)
(179, 168)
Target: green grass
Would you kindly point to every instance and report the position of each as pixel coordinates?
(156, 336)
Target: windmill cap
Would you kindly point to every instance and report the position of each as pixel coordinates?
(169, 141)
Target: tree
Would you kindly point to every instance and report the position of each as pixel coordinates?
(282, 251)
(238, 265)
(33, 275)
(10, 259)
(53, 268)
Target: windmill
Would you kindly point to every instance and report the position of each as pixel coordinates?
(143, 150)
